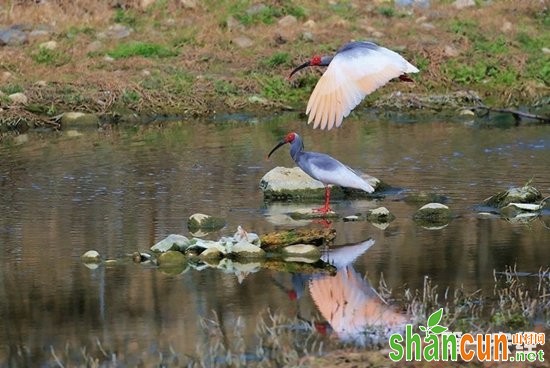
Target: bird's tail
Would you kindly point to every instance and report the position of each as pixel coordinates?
(361, 183)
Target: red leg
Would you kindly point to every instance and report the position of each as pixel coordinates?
(326, 208)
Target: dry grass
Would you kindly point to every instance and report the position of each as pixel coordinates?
(211, 73)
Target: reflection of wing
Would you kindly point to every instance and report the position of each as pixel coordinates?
(344, 256)
(351, 306)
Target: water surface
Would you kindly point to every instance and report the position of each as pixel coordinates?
(123, 190)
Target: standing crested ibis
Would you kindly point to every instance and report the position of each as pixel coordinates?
(322, 167)
(357, 69)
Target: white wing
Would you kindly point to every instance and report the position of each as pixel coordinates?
(351, 75)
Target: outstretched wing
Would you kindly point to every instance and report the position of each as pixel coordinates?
(358, 69)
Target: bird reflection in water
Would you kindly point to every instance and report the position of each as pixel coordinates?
(354, 310)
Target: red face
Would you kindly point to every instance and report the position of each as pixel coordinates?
(316, 60)
(290, 137)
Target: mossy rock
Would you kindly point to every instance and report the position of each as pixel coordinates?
(80, 119)
(433, 214)
(199, 221)
(211, 254)
(306, 251)
(91, 256)
(380, 215)
(525, 194)
(318, 267)
(282, 183)
(172, 242)
(276, 240)
(244, 250)
(311, 215)
(171, 258)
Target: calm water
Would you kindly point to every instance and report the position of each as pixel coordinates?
(122, 191)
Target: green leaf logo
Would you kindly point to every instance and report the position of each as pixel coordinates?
(433, 326)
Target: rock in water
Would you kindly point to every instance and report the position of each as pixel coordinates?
(171, 258)
(91, 256)
(433, 214)
(279, 239)
(525, 194)
(171, 242)
(380, 214)
(200, 221)
(282, 183)
(79, 118)
(302, 250)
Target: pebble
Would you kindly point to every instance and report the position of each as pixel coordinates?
(451, 51)
(48, 45)
(6, 76)
(18, 98)
(189, 4)
(506, 27)
(287, 21)
(118, 31)
(461, 4)
(307, 36)
(242, 41)
(94, 46)
(310, 24)
(427, 26)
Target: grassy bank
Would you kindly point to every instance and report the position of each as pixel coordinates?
(195, 58)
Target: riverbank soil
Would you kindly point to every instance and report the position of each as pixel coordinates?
(194, 58)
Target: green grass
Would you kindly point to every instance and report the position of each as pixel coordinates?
(498, 61)
(465, 27)
(126, 17)
(277, 88)
(185, 36)
(50, 57)
(225, 88)
(495, 46)
(11, 88)
(387, 11)
(72, 96)
(144, 49)
(74, 31)
(131, 96)
(265, 14)
(343, 9)
(277, 59)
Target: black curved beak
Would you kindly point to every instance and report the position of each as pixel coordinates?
(304, 65)
(281, 143)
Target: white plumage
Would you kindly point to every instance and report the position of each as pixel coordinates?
(357, 69)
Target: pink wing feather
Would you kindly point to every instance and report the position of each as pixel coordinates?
(351, 76)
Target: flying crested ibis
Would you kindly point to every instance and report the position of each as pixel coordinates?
(356, 70)
(322, 167)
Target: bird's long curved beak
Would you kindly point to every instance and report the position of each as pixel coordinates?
(304, 65)
(281, 143)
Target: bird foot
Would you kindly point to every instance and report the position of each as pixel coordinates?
(322, 210)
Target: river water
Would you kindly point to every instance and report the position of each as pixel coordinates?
(124, 189)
